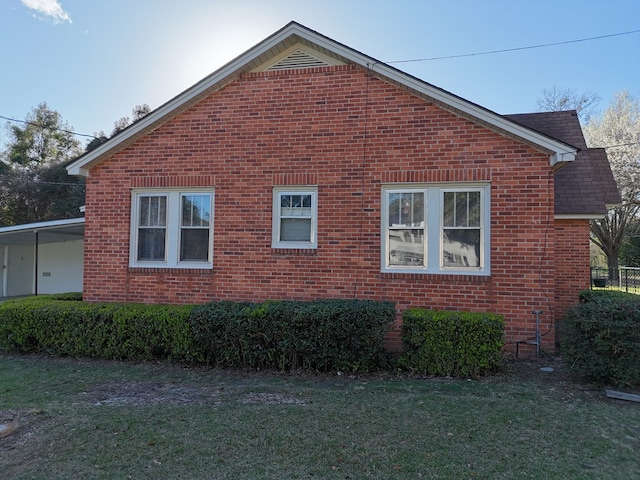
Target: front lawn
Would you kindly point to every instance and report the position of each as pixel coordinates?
(105, 420)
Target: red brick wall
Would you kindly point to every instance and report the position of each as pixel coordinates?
(308, 127)
(572, 266)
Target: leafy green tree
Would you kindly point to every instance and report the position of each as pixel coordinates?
(34, 185)
(44, 139)
(138, 112)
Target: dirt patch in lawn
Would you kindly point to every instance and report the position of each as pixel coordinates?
(133, 393)
(271, 399)
(18, 427)
(136, 393)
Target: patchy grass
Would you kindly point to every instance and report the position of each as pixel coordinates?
(103, 420)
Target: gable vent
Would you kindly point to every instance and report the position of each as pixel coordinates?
(298, 59)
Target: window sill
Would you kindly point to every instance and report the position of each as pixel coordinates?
(312, 252)
(440, 277)
(173, 270)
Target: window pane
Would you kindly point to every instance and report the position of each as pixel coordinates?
(406, 209)
(295, 230)
(394, 208)
(153, 211)
(151, 244)
(194, 244)
(196, 210)
(462, 211)
(406, 247)
(449, 209)
(295, 205)
(474, 209)
(461, 248)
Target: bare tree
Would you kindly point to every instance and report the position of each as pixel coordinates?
(557, 99)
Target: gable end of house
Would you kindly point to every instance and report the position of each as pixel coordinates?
(297, 47)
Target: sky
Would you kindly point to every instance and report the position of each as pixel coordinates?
(94, 60)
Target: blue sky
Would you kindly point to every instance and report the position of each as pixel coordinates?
(94, 60)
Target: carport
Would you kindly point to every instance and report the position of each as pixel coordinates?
(41, 258)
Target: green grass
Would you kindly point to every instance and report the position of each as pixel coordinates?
(104, 420)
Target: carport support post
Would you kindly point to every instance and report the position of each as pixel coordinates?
(36, 264)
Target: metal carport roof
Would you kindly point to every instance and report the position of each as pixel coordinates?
(43, 232)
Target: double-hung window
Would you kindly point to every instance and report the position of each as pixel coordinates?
(295, 217)
(172, 228)
(436, 228)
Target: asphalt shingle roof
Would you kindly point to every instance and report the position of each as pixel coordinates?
(582, 187)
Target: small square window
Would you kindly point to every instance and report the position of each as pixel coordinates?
(294, 218)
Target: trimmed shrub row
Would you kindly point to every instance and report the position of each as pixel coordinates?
(600, 338)
(587, 296)
(318, 335)
(456, 344)
(58, 325)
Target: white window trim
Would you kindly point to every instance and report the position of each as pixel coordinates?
(275, 215)
(434, 228)
(172, 242)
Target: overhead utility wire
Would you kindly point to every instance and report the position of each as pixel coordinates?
(490, 52)
(48, 128)
(446, 57)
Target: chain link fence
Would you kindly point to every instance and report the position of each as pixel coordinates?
(626, 280)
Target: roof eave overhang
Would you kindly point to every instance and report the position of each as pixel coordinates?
(52, 231)
(43, 225)
(558, 152)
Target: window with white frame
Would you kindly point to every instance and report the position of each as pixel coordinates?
(172, 228)
(295, 217)
(436, 228)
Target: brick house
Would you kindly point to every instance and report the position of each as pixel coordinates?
(305, 169)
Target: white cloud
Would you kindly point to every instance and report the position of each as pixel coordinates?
(49, 8)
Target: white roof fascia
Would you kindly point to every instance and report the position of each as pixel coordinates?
(79, 166)
(42, 225)
(561, 151)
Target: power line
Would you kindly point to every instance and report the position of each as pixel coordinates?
(490, 52)
(48, 128)
(427, 59)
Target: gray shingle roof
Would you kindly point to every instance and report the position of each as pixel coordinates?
(585, 186)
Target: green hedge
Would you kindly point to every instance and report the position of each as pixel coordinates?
(61, 325)
(456, 344)
(600, 340)
(317, 335)
(587, 296)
